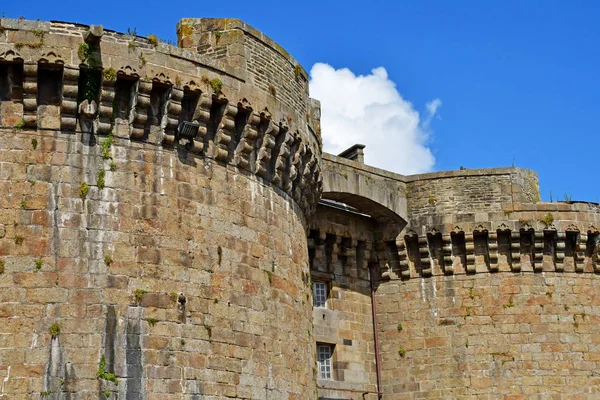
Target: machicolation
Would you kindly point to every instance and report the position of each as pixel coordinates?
(171, 229)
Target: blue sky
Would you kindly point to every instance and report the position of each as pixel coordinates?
(517, 80)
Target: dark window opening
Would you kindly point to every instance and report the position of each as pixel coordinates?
(436, 245)
(11, 81)
(158, 102)
(330, 240)
(550, 244)
(392, 254)
(260, 135)
(241, 119)
(313, 241)
(217, 109)
(88, 85)
(279, 139)
(50, 84)
(360, 258)
(527, 245)
(504, 245)
(189, 103)
(591, 246)
(124, 91)
(480, 241)
(414, 255)
(459, 248)
(571, 238)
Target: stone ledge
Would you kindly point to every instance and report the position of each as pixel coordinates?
(24, 25)
(464, 173)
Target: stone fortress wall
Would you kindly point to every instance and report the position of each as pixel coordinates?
(135, 264)
(181, 267)
(494, 294)
(485, 292)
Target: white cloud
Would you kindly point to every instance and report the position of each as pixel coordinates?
(369, 110)
(432, 108)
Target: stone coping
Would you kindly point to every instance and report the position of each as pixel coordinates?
(363, 167)
(164, 48)
(425, 176)
(234, 23)
(463, 173)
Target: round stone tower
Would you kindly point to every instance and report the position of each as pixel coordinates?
(153, 214)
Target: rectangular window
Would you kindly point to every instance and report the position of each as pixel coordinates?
(159, 97)
(125, 90)
(319, 294)
(11, 81)
(324, 353)
(189, 103)
(50, 84)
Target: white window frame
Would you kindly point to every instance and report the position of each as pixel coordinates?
(324, 361)
(319, 294)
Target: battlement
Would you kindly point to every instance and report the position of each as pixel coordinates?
(501, 250)
(255, 57)
(69, 77)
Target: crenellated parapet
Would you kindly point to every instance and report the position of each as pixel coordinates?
(66, 77)
(474, 221)
(501, 249)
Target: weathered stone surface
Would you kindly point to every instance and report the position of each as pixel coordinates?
(103, 237)
(94, 34)
(24, 25)
(185, 266)
(11, 113)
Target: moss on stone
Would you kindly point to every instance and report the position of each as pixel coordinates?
(100, 181)
(83, 51)
(548, 219)
(139, 294)
(54, 330)
(83, 190)
(153, 39)
(109, 74)
(216, 85)
(102, 374)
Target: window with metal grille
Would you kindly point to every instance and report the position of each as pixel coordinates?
(319, 294)
(324, 353)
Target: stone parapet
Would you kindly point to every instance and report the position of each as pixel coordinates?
(503, 249)
(255, 57)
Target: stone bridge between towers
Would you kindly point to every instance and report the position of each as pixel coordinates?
(380, 194)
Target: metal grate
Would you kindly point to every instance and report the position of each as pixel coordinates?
(187, 130)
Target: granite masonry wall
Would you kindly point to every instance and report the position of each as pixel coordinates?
(466, 197)
(161, 225)
(494, 336)
(138, 261)
(266, 65)
(177, 272)
(485, 293)
(340, 250)
(493, 293)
